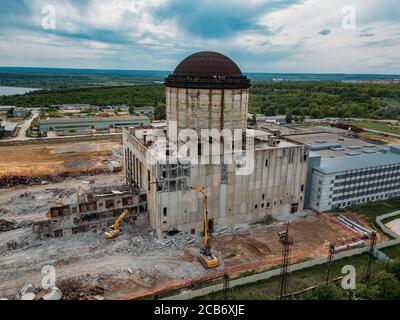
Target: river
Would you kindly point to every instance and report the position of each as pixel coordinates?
(8, 91)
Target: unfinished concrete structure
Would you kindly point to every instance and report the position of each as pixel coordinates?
(208, 91)
(95, 210)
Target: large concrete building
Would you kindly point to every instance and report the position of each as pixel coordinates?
(208, 91)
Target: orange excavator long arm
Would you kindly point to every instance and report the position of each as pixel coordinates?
(207, 258)
(203, 192)
(119, 220)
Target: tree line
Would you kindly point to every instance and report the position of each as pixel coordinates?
(294, 99)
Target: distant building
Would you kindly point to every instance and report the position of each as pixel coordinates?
(271, 119)
(67, 107)
(10, 129)
(146, 111)
(90, 125)
(5, 109)
(21, 112)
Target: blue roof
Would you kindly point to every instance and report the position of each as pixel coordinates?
(361, 161)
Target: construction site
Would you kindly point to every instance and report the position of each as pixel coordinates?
(136, 263)
(117, 223)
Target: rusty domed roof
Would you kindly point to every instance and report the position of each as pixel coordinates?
(208, 69)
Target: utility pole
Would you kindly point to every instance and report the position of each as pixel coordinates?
(286, 244)
(368, 270)
(330, 259)
(226, 285)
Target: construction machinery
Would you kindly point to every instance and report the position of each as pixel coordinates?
(207, 258)
(114, 231)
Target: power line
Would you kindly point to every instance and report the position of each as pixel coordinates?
(368, 270)
(286, 242)
(329, 263)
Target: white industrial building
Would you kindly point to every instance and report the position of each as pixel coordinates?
(344, 170)
(351, 180)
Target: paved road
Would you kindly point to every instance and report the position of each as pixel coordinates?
(25, 126)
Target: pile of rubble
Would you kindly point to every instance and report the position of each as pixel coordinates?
(7, 225)
(13, 181)
(74, 289)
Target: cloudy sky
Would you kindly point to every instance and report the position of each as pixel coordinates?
(320, 36)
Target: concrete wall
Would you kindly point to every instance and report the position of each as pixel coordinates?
(207, 108)
(383, 227)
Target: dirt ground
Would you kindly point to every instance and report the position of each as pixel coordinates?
(380, 138)
(136, 263)
(260, 249)
(54, 159)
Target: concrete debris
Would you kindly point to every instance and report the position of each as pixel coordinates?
(75, 289)
(98, 297)
(229, 230)
(54, 294)
(221, 229)
(13, 181)
(7, 225)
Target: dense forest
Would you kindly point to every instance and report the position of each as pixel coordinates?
(326, 99)
(314, 99)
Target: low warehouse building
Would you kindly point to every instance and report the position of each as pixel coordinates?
(91, 125)
(10, 129)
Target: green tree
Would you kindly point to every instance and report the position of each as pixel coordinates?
(394, 268)
(2, 132)
(331, 292)
(289, 117)
(388, 285)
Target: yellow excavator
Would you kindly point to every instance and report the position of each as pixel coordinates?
(114, 231)
(207, 258)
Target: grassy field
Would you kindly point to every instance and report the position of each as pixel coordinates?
(299, 280)
(379, 126)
